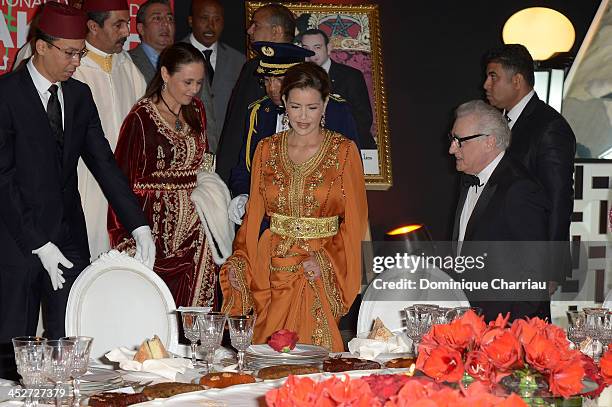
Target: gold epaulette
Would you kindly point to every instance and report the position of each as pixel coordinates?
(337, 97)
(258, 101)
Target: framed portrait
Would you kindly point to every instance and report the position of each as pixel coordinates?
(354, 40)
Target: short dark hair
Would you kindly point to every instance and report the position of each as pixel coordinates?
(142, 11)
(282, 17)
(314, 31)
(306, 75)
(98, 16)
(514, 58)
(173, 58)
(43, 36)
(217, 2)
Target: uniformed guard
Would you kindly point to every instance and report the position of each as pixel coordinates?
(266, 116)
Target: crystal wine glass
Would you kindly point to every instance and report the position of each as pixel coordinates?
(212, 326)
(576, 327)
(57, 365)
(241, 335)
(82, 347)
(191, 329)
(29, 356)
(418, 322)
(594, 328)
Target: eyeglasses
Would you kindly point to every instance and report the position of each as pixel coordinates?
(453, 138)
(71, 54)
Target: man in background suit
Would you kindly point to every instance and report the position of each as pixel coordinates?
(273, 23)
(542, 140)
(223, 63)
(155, 25)
(47, 122)
(500, 205)
(346, 81)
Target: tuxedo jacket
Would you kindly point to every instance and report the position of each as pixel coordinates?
(512, 208)
(545, 144)
(142, 62)
(349, 83)
(41, 202)
(247, 90)
(261, 122)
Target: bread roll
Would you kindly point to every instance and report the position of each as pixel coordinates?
(151, 349)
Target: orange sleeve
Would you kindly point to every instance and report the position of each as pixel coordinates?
(244, 256)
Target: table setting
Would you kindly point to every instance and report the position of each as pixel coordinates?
(447, 353)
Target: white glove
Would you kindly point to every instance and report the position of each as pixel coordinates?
(145, 246)
(236, 208)
(50, 256)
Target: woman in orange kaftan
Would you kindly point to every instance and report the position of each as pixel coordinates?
(304, 272)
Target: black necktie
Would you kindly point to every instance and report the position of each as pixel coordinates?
(54, 113)
(210, 72)
(279, 109)
(470, 180)
(508, 119)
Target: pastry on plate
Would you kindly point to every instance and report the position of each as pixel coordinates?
(221, 380)
(116, 399)
(344, 364)
(163, 390)
(277, 372)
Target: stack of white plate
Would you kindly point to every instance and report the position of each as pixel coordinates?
(259, 356)
(98, 380)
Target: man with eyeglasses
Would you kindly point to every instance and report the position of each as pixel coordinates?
(272, 22)
(47, 121)
(116, 84)
(499, 202)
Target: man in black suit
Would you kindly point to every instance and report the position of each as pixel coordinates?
(499, 207)
(223, 63)
(155, 26)
(346, 81)
(542, 140)
(47, 122)
(273, 23)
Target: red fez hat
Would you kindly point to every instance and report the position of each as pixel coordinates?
(62, 21)
(104, 5)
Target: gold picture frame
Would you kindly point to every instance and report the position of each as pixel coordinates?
(359, 44)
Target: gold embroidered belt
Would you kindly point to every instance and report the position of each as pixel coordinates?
(303, 228)
(165, 186)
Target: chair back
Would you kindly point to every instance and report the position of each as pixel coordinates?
(120, 302)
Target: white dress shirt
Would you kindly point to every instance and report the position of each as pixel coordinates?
(42, 85)
(202, 48)
(326, 65)
(472, 197)
(514, 113)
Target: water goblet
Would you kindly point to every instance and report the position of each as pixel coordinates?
(576, 332)
(192, 332)
(594, 328)
(241, 335)
(80, 364)
(57, 365)
(212, 326)
(29, 356)
(418, 322)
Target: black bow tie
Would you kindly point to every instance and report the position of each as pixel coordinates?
(279, 109)
(470, 181)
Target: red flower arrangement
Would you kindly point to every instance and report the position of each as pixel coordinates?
(492, 352)
(414, 392)
(283, 340)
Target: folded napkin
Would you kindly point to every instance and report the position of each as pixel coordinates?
(370, 348)
(167, 368)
